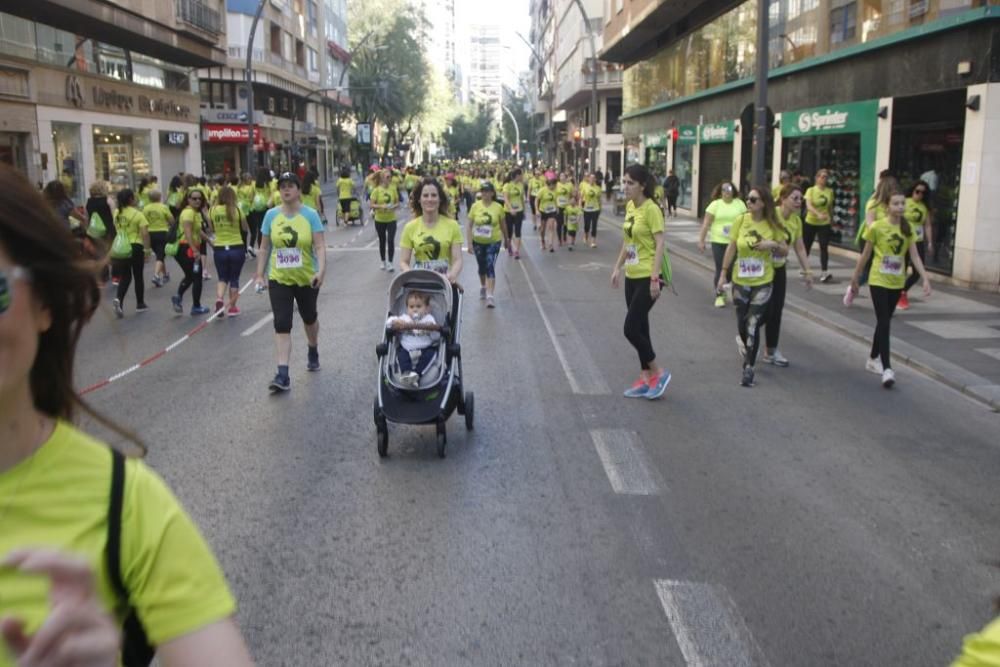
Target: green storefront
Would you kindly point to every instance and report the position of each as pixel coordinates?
(655, 151)
(684, 147)
(715, 159)
(842, 139)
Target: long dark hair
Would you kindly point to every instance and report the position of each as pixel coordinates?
(308, 182)
(641, 175)
(770, 212)
(175, 184)
(55, 193)
(927, 193)
(419, 190)
(64, 281)
(717, 192)
(263, 178)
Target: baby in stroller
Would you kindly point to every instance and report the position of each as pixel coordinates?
(418, 341)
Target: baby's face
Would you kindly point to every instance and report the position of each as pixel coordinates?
(416, 308)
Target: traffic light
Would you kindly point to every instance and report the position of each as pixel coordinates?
(576, 136)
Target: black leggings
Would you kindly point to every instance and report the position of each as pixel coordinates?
(126, 269)
(751, 311)
(254, 220)
(884, 300)
(514, 222)
(639, 302)
(810, 232)
(718, 254)
(772, 326)
(386, 238)
(561, 225)
(192, 274)
(914, 277)
(590, 223)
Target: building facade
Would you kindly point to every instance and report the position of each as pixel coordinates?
(483, 73)
(93, 90)
(855, 86)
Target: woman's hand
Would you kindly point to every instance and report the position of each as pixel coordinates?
(927, 286)
(317, 280)
(259, 282)
(78, 631)
(721, 286)
(854, 286)
(701, 246)
(472, 250)
(654, 288)
(616, 278)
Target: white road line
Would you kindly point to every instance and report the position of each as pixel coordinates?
(257, 325)
(585, 379)
(624, 462)
(709, 630)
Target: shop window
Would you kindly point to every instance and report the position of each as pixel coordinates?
(121, 156)
(843, 24)
(69, 155)
(55, 46)
(313, 60)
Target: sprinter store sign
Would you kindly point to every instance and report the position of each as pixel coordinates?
(841, 119)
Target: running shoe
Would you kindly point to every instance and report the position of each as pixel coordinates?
(198, 310)
(720, 301)
(742, 347)
(570, 248)
(410, 379)
(658, 385)
(776, 358)
(206, 277)
(115, 281)
(157, 281)
(233, 311)
(141, 308)
(593, 244)
(747, 380)
(639, 389)
(552, 248)
(220, 308)
(391, 268)
(165, 278)
(312, 361)
(874, 366)
(517, 255)
(175, 301)
(482, 293)
(826, 277)
(490, 303)
(117, 306)
(280, 383)
(904, 301)
(384, 265)
(849, 297)
(888, 378)
(251, 251)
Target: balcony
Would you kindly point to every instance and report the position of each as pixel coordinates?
(199, 15)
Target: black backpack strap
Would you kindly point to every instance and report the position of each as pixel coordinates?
(136, 650)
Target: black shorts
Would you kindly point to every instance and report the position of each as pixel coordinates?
(203, 248)
(345, 206)
(158, 242)
(514, 221)
(282, 297)
(555, 215)
(531, 201)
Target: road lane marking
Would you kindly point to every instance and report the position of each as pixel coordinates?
(709, 630)
(624, 462)
(257, 325)
(584, 378)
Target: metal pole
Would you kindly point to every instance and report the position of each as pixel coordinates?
(760, 88)
(517, 131)
(249, 74)
(593, 85)
(552, 93)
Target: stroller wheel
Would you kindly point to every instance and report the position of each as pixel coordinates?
(382, 436)
(470, 409)
(442, 439)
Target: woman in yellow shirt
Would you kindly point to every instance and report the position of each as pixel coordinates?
(229, 227)
(431, 240)
(55, 482)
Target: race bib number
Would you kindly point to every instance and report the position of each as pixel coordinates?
(892, 265)
(631, 256)
(918, 231)
(435, 265)
(549, 209)
(483, 231)
(562, 201)
(288, 258)
(751, 267)
(591, 209)
(516, 206)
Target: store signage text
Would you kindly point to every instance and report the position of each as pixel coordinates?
(819, 122)
(687, 135)
(717, 133)
(224, 115)
(113, 100)
(848, 118)
(173, 138)
(221, 134)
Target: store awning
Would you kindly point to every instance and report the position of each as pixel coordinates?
(338, 52)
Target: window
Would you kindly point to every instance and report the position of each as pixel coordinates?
(300, 53)
(312, 17)
(297, 7)
(313, 60)
(614, 116)
(275, 39)
(17, 36)
(843, 24)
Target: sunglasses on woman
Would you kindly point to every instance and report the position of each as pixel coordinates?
(919, 191)
(7, 279)
(753, 200)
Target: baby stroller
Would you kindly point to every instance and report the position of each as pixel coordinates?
(439, 391)
(354, 212)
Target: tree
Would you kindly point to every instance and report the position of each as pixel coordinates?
(470, 131)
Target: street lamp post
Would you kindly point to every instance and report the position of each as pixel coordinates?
(760, 103)
(517, 131)
(552, 92)
(249, 76)
(593, 85)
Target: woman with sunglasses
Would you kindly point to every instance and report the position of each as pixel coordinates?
(756, 238)
(720, 216)
(819, 221)
(384, 202)
(293, 245)
(790, 198)
(58, 605)
(919, 215)
(130, 221)
(641, 255)
(189, 242)
(487, 231)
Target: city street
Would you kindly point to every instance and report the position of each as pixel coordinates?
(816, 519)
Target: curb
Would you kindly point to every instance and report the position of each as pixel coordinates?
(957, 378)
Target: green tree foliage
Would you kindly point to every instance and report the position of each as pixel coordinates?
(470, 131)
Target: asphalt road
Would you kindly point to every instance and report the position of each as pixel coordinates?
(816, 519)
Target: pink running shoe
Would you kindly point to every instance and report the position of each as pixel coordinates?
(233, 311)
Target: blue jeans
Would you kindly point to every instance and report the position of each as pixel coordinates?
(229, 263)
(406, 362)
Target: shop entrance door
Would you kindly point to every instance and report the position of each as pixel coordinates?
(171, 162)
(614, 162)
(716, 165)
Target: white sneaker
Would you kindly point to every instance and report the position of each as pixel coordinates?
(874, 366)
(777, 359)
(390, 268)
(385, 265)
(888, 378)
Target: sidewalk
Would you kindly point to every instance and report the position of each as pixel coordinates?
(953, 337)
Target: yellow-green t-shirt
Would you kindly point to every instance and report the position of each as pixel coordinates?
(574, 214)
(131, 221)
(260, 200)
(144, 196)
(793, 232)
(189, 215)
(564, 191)
(751, 267)
(158, 216)
(535, 186)
(659, 194)
(776, 194)
(547, 200)
(293, 258)
(641, 225)
(889, 248)
(485, 221)
(916, 214)
(822, 201)
(454, 193)
(724, 216)
(431, 246)
(409, 182)
(59, 499)
(227, 230)
(345, 188)
(387, 195)
(311, 198)
(514, 195)
(981, 649)
(591, 195)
